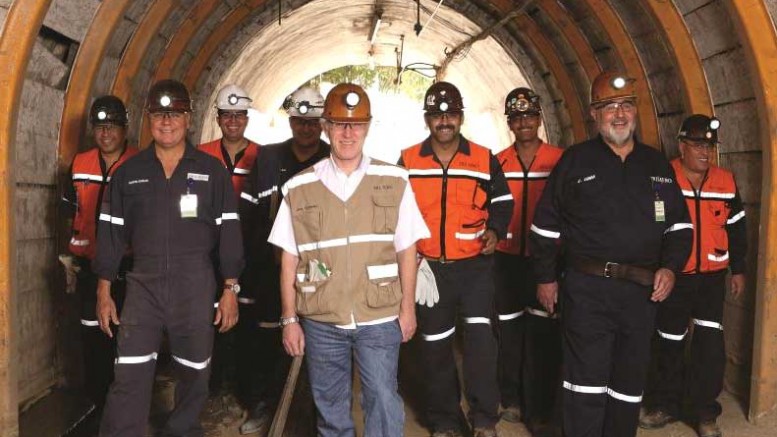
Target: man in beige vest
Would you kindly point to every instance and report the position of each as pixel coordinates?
(348, 227)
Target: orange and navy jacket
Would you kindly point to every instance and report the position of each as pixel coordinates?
(89, 176)
(526, 185)
(720, 235)
(244, 161)
(460, 202)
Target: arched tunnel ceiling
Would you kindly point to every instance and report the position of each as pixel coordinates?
(688, 56)
(319, 36)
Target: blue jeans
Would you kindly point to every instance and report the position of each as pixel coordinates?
(328, 354)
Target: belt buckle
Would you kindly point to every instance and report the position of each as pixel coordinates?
(607, 269)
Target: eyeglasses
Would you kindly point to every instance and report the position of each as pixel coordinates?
(234, 116)
(612, 108)
(355, 127)
(159, 116)
(699, 145)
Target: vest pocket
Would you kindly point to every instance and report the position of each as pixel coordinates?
(384, 289)
(309, 219)
(310, 297)
(384, 214)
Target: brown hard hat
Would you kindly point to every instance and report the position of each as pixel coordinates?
(609, 86)
(443, 97)
(522, 101)
(347, 103)
(699, 127)
(168, 95)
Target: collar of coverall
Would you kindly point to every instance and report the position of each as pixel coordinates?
(426, 146)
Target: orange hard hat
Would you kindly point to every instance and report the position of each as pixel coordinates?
(609, 86)
(347, 103)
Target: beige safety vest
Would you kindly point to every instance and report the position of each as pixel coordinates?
(354, 239)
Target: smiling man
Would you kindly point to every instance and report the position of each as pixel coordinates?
(348, 228)
(613, 208)
(462, 192)
(529, 339)
(175, 207)
(720, 244)
(90, 173)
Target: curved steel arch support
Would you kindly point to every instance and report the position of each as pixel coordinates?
(20, 30)
(757, 33)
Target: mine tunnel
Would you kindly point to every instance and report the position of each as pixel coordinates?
(687, 56)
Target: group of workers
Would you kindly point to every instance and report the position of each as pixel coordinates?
(560, 266)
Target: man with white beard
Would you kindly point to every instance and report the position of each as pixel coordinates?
(612, 207)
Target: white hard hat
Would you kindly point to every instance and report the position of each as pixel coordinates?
(306, 102)
(233, 98)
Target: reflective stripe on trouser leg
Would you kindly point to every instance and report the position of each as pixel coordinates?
(515, 289)
(594, 310)
(708, 357)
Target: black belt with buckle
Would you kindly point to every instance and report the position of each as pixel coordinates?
(639, 274)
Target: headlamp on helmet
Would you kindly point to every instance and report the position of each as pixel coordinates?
(102, 115)
(165, 101)
(351, 100)
(714, 123)
(619, 82)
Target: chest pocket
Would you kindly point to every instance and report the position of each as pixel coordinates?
(385, 213)
(205, 209)
(718, 212)
(138, 199)
(470, 193)
(309, 219)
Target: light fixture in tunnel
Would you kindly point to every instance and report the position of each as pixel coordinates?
(376, 20)
(351, 100)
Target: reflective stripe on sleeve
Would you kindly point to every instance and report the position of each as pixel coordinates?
(544, 232)
(511, 316)
(737, 217)
(678, 226)
(194, 365)
(266, 192)
(504, 198)
(239, 170)
(227, 216)
(246, 300)
(708, 324)
(136, 359)
(90, 322)
(673, 337)
(113, 220)
(440, 336)
(623, 397)
(540, 313)
(249, 198)
(76, 242)
(587, 389)
(483, 320)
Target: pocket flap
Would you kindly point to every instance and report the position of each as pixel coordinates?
(385, 200)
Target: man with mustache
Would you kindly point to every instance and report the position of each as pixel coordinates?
(238, 155)
(466, 203)
(529, 338)
(720, 243)
(613, 208)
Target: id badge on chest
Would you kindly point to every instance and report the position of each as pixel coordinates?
(188, 206)
(660, 213)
